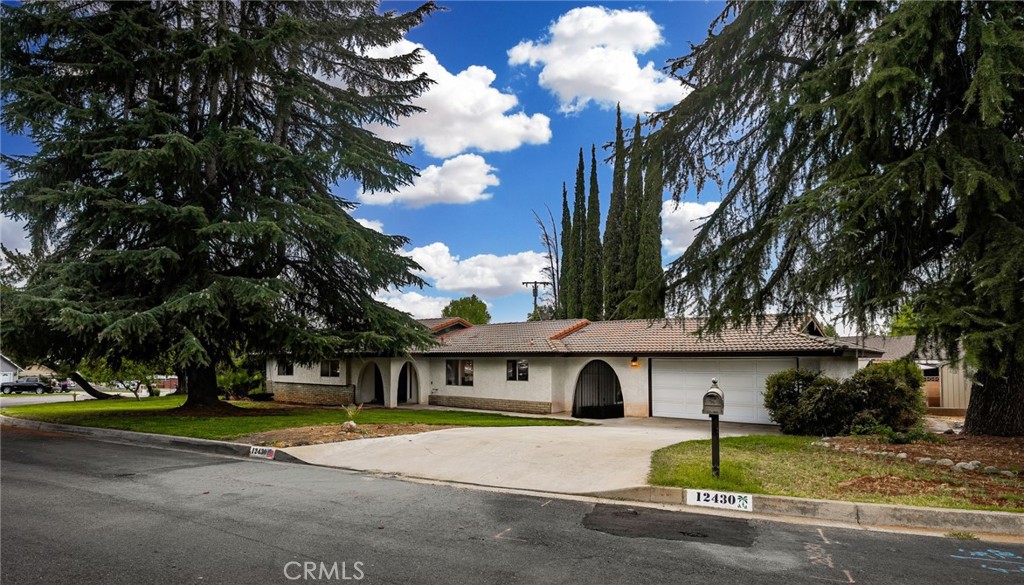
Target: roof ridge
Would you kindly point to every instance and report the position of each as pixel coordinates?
(570, 330)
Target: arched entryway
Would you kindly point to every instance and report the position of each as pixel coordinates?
(598, 392)
(408, 385)
(371, 386)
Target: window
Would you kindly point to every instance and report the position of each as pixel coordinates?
(458, 372)
(517, 370)
(330, 368)
(285, 368)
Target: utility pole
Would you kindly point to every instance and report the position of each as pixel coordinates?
(536, 284)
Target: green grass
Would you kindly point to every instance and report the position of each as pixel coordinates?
(790, 466)
(155, 415)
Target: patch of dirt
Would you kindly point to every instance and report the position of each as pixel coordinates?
(1001, 452)
(320, 434)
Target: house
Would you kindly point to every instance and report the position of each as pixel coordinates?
(8, 369)
(602, 369)
(946, 384)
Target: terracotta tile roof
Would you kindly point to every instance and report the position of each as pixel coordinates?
(502, 338)
(635, 337)
(894, 346)
(670, 336)
(443, 322)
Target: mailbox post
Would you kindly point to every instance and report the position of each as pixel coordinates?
(714, 405)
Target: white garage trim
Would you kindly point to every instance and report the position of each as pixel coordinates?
(678, 386)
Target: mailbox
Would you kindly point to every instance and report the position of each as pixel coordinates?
(714, 400)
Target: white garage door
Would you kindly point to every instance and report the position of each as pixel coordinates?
(678, 386)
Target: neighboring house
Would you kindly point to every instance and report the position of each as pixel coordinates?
(8, 370)
(592, 370)
(946, 384)
(39, 371)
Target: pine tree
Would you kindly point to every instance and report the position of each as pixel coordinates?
(612, 251)
(179, 203)
(579, 223)
(876, 155)
(632, 205)
(650, 277)
(566, 277)
(593, 300)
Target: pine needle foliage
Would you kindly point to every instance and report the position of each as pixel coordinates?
(876, 158)
(612, 250)
(180, 199)
(593, 285)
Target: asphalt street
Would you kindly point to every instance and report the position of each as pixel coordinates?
(75, 510)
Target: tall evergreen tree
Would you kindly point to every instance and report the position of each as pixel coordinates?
(650, 277)
(179, 203)
(634, 201)
(566, 277)
(877, 154)
(579, 223)
(612, 250)
(593, 299)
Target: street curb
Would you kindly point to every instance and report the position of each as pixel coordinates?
(862, 514)
(188, 443)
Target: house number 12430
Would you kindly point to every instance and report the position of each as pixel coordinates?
(724, 500)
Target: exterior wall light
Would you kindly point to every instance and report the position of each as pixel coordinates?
(635, 362)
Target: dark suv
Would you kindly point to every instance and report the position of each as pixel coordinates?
(29, 384)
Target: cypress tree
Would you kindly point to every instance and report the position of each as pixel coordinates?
(612, 251)
(631, 218)
(179, 205)
(579, 223)
(593, 300)
(650, 277)
(566, 278)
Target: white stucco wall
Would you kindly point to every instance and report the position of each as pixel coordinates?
(489, 379)
(633, 382)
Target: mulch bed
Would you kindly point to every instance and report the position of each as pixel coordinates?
(320, 434)
(1001, 452)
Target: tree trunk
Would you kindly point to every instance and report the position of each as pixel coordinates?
(85, 385)
(182, 385)
(202, 387)
(997, 403)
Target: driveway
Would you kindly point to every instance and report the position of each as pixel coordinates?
(579, 460)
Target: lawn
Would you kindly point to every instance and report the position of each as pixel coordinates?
(791, 466)
(156, 415)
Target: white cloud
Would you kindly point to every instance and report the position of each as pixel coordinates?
(463, 111)
(590, 54)
(373, 224)
(418, 305)
(13, 234)
(484, 274)
(463, 179)
(681, 222)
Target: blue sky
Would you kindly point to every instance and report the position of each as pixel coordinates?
(521, 86)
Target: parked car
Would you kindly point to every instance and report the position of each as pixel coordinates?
(28, 384)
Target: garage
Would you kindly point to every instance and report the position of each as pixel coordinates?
(678, 386)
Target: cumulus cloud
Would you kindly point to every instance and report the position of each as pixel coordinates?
(373, 224)
(463, 179)
(484, 274)
(12, 233)
(463, 111)
(418, 305)
(681, 222)
(590, 54)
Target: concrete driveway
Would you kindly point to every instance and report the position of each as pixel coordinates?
(579, 460)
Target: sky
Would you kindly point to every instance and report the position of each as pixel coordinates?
(520, 88)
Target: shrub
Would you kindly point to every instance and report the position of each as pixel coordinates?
(892, 393)
(782, 396)
(828, 407)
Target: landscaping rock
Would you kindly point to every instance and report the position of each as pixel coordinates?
(945, 462)
(901, 455)
(925, 460)
(976, 463)
(820, 444)
(1008, 473)
(964, 466)
(990, 469)
(349, 425)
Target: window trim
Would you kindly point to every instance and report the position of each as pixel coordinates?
(285, 368)
(517, 370)
(455, 372)
(332, 369)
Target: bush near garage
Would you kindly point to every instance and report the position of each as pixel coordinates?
(878, 397)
